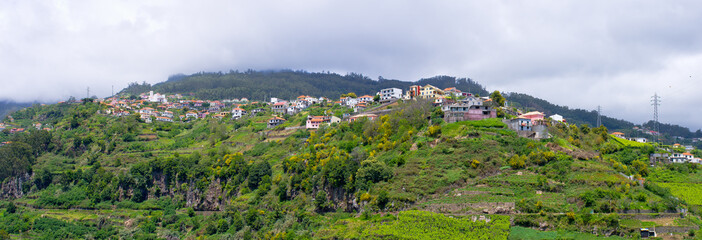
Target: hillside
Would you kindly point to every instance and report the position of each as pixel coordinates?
(94, 175)
(578, 116)
(7, 107)
(257, 85)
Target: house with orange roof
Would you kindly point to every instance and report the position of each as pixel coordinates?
(220, 115)
(164, 119)
(368, 116)
(360, 107)
(238, 112)
(191, 114)
(618, 134)
(167, 114)
(682, 158)
(365, 98)
(453, 92)
(280, 107)
(314, 122)
(146, 111)
(275, 121)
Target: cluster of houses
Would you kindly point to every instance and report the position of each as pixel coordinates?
(461, 106)
(679, 153)
(456, 105)
(164, 110)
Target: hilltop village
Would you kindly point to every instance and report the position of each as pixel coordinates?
(455, 106)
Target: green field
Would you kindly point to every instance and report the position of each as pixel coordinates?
(419, 225)
(533, 234)
(689, 192)
(628, 143)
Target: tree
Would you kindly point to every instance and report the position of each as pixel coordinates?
(320, 201)
(11, 208)
(257, 173)
(497, 98)
(376, 98)
(517, 162)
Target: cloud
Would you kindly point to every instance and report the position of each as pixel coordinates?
(581, 54)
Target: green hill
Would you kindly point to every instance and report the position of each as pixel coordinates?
(398, 177)
(257, 85)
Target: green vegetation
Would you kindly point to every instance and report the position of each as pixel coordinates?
(532, 234)
(97, 176)
(289, 84)
(688, 192)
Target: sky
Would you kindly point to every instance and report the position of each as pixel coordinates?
(615, 54)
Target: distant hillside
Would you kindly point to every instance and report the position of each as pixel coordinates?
(675, 130)
(10, 106)
(259, 85)
(578, 116)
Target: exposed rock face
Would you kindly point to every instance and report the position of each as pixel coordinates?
(12, 187)
(213, 197)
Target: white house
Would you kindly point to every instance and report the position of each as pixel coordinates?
(681, 157)
(157, 97)
(365, 98)
(167, 114)
(557, 118)
(388, 94)
(191, 115)
(238, 112)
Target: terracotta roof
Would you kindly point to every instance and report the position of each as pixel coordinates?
(687, 154)
(617, 133)
(366, 96)
(279, 118)
(531, 113)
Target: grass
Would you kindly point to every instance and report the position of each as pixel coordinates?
(418, 225)
(532, 234)
(462, 128)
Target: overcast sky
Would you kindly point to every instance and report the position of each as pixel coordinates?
(616, 54)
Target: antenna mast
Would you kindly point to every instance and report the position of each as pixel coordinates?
(599, 116)
(656, 101)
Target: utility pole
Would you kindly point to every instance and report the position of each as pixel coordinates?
(599, 116)
(113, 91)
(656, 101)
(87, 95)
